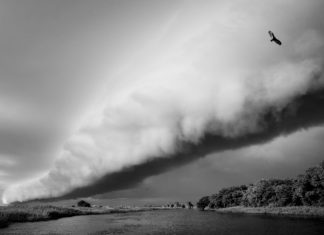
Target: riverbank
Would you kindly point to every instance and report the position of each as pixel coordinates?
(33, 213)
(293, 211)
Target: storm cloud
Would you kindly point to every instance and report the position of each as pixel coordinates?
(207, 79)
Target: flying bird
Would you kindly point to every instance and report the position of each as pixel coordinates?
(274, 39)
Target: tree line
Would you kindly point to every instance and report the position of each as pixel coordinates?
(304, 190)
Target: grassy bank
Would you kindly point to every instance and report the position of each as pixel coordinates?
(295, 211)
(25, 213)
(33, 213)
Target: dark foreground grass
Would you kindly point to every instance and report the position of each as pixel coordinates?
(3, 221)
(294, 211)
(26, 213)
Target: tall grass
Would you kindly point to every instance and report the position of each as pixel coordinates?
(27, 212)
(24, 213)
(3, 221)
(298, 211)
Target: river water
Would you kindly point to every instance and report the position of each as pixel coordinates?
(172, 222)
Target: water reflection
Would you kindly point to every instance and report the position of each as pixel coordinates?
(172, 222)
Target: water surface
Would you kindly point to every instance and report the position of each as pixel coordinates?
(172, 222)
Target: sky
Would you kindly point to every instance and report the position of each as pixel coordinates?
(157, 98)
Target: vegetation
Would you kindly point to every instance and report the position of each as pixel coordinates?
(83, 203)
(3, 221)
(175, 205)
(29, 212)
(304, 190)
(23, 213)
(203, 203)
(298, 211)
(190, 205)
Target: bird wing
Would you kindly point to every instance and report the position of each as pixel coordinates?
(271, 34)
(278, 42)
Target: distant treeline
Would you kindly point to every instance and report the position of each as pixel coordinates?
(304, 190)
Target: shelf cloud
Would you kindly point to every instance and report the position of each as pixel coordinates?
(208, 79)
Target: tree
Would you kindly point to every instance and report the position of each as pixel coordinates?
(83, 203)
(203, 203)
(284, 195)
(307, 189)
(226, 197)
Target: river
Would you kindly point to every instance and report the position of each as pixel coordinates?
(172, 222)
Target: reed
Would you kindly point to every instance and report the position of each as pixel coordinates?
(296, 211)
(26, 213)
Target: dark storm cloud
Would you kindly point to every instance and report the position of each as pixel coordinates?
(181, 80)
(307, 112)
(55, 57)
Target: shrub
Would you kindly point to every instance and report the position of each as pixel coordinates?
(83, 203)
(307, 190)
(203, 203)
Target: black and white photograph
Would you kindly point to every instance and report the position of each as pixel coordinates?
(151, 117)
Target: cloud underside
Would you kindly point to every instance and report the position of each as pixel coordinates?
(304, 112)
(120, 151)
(189, 91)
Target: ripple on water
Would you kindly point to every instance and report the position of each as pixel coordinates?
(171, 222)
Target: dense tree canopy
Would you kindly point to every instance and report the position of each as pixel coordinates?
(306, 189)
(203, 203)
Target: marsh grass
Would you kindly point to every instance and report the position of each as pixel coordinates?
(3, 221)
(26, 213)
(295, 211)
